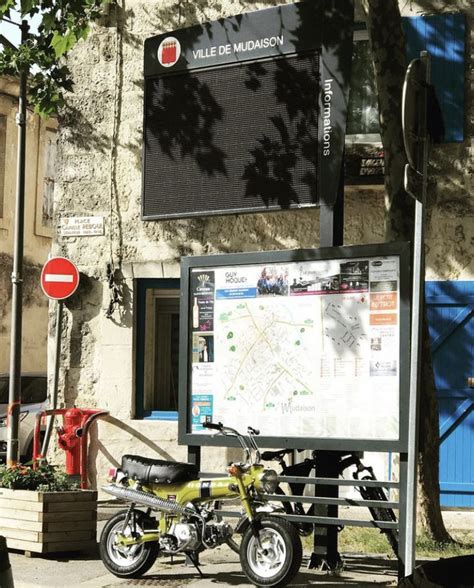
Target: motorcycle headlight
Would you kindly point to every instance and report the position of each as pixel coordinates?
(269, 481)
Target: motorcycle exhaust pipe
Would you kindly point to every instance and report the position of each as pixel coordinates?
(147, 499)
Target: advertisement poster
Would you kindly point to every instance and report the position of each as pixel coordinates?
(201, 411)
(311, 348)
(203, 301)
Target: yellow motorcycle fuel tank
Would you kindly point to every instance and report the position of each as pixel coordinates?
(198, 491)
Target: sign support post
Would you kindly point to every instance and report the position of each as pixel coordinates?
(416, 181)
(331, 233)
(59, 280)
(54, 393)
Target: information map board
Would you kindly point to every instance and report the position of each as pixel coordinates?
(303, 345)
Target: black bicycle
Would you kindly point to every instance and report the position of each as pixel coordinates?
(304, 469)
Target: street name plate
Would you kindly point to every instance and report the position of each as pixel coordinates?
(81, 226)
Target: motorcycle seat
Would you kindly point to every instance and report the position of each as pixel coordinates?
(158, 471)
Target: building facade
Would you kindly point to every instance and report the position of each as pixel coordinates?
(39, 187)
(120, 336)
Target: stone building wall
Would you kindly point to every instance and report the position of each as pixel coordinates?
(99, 173)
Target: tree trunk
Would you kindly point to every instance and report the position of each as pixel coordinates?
(429, 511)
(387, 43)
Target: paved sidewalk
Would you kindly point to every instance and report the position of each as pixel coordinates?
(221, 568)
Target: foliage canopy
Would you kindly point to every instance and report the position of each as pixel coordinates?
(62, 23)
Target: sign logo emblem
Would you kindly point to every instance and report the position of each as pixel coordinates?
(169, 51)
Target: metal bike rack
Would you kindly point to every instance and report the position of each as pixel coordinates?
(325, 521)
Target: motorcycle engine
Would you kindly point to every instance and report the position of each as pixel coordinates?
(186, 535)
(216, 533)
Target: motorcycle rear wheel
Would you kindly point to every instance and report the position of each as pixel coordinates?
(276, 557)
(127, 562)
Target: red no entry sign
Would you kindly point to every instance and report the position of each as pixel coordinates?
(59, 278)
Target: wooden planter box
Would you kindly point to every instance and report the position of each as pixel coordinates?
(47, 522)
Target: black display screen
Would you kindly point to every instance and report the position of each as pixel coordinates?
(238, 138)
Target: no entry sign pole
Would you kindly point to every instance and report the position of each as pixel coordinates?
(54, 392)
(59, 280)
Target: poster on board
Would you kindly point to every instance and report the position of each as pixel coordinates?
(308, 348)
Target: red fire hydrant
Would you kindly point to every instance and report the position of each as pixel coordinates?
(72, 437)
(69, 439)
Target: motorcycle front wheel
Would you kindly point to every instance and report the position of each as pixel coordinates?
(275, 557)
(127, 561)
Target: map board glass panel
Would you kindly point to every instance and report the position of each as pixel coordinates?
(309, 348)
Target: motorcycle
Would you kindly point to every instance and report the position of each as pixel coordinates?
(187, 522)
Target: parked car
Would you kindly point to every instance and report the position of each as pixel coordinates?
(34, 396)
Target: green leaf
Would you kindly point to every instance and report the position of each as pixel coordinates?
(5, 6)
(26, 6)
(63, 43)
(83, 32)
(48, 21)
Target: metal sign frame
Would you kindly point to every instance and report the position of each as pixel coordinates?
(241, 259)
(322, 26)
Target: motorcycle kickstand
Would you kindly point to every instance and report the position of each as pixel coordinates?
(195, 561)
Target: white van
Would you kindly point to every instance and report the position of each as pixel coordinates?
(34, 396)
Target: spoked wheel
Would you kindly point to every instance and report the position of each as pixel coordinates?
(127, 561)
(274, 557)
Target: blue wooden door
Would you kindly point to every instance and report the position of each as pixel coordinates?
(450, 307)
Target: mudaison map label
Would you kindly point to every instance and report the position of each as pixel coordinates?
(311, 348)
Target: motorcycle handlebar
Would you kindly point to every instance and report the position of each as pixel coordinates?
(247, 443)
(271, 455)
(216, 426)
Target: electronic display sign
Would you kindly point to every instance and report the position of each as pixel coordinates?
(248, 113)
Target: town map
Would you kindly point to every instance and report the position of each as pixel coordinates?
(309, 348)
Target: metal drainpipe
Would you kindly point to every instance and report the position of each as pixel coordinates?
(14, 396)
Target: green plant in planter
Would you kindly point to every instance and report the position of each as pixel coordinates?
(45, 478)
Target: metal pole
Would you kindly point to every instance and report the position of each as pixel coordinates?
(325, 539)
(416, 331)
(57, 361)
(14, 397)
